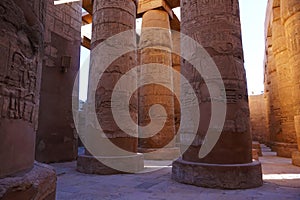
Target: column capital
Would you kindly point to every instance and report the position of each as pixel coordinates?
(147, 5)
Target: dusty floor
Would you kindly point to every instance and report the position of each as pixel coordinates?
(281, 181)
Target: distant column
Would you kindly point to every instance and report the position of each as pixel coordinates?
(156, 46)
(229, 164)
(176, 81)
(271, 87)
(267, 88)
(283, 142)
(290, 13)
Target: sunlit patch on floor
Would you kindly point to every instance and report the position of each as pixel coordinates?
(281, 176)
(64, 1)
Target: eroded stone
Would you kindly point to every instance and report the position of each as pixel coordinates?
(37, 184)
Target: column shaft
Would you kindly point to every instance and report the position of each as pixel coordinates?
(290, 13)
(156, 46)
(109, 19)
(176, 81)
(284, 141)
(221, 37)
(21, 54)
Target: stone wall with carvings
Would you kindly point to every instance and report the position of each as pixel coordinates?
(56, 131)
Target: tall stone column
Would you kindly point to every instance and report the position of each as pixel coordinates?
(21, 47)
(271, 85)
(176, 81)
(110, 17)
(271, 81)
(267, 86)
(275, 121)
(290, 13)
(229, 164)
(284, 142)
(156, 46)
(267, 111)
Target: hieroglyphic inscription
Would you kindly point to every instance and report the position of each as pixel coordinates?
(17, 87)
(293, 43)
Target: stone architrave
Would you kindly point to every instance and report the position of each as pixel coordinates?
(215, 24)
(146, 5)
(111, 17)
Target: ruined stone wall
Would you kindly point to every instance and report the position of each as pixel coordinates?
(257, 106)
(56, 136)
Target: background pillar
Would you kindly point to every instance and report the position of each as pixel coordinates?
(156, 46)
(176, 81)
(290, 13)
(283, 142)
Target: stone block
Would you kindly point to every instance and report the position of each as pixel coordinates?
(146, 5)
(37, 184)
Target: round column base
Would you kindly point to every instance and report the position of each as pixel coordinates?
(91, 164)
(39, 184)
(236, 176)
